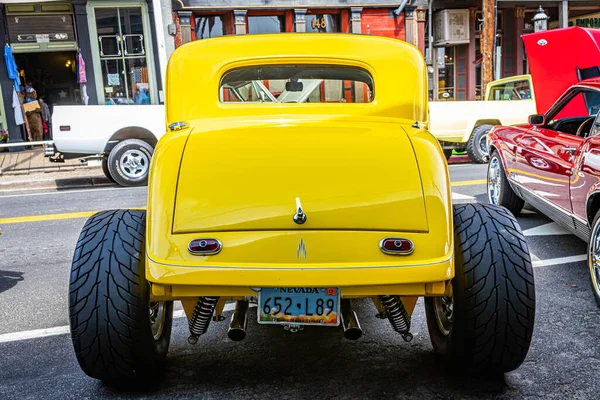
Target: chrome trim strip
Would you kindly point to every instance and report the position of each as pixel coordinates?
(559, 209)
(399, 252)
(303, 268)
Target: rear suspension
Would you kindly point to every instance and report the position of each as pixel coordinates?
(201, 317)
(396, 313)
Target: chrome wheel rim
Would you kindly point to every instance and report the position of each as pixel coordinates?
(594, 258)
(494, 181)
(444, 313)
(134, 163)
(483, 145)
(158, 313)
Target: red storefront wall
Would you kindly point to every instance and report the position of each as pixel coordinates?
(382, 22)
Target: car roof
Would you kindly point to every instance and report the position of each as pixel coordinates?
(195, 70)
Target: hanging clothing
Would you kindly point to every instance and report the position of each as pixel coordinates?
(81, 75)
(84, 95)
(16, 104)
(45, 110)
(11, 66)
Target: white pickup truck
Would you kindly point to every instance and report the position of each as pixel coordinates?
(123, 137)
(464, 125)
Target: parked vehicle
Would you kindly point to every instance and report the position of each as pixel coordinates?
(123, 137)
(552, 162)
(464, 125)
(301, 208)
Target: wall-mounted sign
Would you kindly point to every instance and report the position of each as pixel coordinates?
(42, 38)
(584, 21)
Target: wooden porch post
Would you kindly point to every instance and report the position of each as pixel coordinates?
(487, 43)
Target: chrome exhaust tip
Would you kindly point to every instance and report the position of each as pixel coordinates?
(239, 321)
(352, 329)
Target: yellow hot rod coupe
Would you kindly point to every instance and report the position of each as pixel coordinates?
(299, 208)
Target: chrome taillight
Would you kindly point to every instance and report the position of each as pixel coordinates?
(204, 247)
(396, 246)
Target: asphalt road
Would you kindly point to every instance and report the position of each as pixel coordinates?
(35, 257)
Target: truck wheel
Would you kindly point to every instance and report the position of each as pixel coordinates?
(486, 325)
(118, 334)
(129, 162)
(477, 148)
(447, 153)
(594, 258)
(500, 192)
(106, 171)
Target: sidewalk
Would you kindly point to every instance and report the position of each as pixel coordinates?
(33, 161)
(30, 170)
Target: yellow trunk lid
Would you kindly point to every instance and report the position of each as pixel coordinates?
(347, 175)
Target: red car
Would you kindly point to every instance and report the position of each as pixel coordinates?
(553, 163)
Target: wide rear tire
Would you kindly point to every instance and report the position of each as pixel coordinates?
(487, 323)
(119, 337)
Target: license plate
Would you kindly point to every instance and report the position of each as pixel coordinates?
(302, 306)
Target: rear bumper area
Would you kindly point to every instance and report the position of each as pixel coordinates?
(179, 282)
(350, 260)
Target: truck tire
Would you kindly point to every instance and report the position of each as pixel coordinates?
(476, 147)
(129, 162)
(486, 325)
(119, 336)
(500, 193)
(447, 153)
(106, 171)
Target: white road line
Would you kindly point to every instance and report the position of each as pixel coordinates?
(38, 333)
(67, 191)
(458, 196)
(551, 228)
(560, 260)
(63, 330)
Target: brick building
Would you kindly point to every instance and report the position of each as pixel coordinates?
(455, 31)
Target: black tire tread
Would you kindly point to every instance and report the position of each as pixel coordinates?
(106, 170)
(493, 290)
(498, 286)
(108, 299)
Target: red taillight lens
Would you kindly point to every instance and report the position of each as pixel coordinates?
(65, 128)
(396, 246)
(204, 246)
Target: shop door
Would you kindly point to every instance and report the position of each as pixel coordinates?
(123, 57)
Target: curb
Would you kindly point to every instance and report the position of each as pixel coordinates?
(55, 184)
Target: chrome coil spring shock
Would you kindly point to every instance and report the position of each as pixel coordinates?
(201, 317)
(397, 315)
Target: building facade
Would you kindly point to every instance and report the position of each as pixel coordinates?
(117, 40)
(456, 40)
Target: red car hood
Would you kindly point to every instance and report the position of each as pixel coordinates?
(558, 59)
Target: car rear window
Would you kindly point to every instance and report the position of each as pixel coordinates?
(296, 84)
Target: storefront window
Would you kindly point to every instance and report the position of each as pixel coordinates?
(328, 23)
(446, 60)
(209, 26)
(265, 24)
(123, 57)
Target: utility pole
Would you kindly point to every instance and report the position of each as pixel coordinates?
(487, 43)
